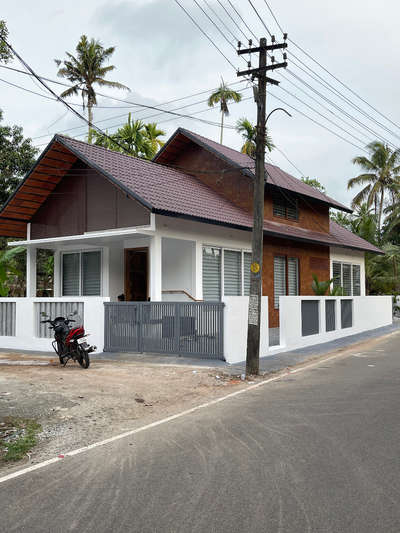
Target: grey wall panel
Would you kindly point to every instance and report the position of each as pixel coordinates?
(309, 317)
(346, 311)
(330, 315)
(7, 319)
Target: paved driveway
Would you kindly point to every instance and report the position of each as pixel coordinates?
(315, 452)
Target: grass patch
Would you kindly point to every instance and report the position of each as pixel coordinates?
(17, 437)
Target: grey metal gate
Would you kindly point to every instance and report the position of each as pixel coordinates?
(182, 328)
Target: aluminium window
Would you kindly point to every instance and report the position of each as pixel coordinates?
(81, 273)
(286, 277)
(347, 276)
(225, 273)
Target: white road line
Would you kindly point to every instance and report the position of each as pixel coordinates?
(164, 420)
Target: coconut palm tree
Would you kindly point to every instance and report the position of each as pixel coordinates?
(85, 70)
(381, 175)
(153, 133)
(249, 134)
(222, 96)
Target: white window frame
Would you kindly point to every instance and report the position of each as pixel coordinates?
(80, 252)
(228, 249)
(341, 263)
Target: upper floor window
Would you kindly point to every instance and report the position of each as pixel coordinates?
(348, 277)
(81, 273)
(285, 207)
(225, 272)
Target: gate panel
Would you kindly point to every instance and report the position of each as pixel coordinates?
(181, 328)
(122, 327)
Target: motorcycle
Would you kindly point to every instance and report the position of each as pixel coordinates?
(69, 341)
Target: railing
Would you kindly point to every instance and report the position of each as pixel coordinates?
(181, 328)
(181, 292)
(7, 319)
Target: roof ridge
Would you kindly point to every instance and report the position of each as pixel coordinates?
(114, 152)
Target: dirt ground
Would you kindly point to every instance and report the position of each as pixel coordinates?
(76, 407)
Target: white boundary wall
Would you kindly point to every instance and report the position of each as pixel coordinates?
(369, 312)
(26, 323)
(235, 327)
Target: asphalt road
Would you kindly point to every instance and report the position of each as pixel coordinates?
(318, 451)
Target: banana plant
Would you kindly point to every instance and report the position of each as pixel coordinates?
(323, 288)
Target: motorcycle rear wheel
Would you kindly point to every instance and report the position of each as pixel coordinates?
(83, 357)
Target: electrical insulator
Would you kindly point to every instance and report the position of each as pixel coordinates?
(250, 42)
(239, 44)
(285, 56)
(285, 36)
(273, 38)
(249, 64)
(272, 59)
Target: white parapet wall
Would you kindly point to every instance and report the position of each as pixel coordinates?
(235, 327)
(23, 320)
(367, 313)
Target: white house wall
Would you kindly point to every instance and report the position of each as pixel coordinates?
(178, 268)
(354, 257)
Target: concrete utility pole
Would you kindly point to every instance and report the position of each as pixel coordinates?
(253, 327)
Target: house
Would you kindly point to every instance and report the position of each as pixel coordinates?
(177, 228)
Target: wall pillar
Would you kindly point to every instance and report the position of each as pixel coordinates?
(30, 272)
(155, 269)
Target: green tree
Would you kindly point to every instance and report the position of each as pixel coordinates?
(85, 70)
(313, 182)
(222, 96)
(153, 134)
(9, 270)
(380, 176)
(5, 52)
(17, 156)
(134, 138)
(248, 132)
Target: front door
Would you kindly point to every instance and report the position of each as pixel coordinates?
(136, 274)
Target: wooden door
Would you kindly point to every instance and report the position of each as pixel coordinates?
(136, 274)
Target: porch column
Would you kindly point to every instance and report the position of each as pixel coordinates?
(57, 274)
(31, 272)
(155, 269)
(198, 271)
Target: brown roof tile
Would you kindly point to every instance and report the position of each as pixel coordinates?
(171, 192)
(164, 189)
(276, 176)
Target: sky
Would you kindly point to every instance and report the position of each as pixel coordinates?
(162, 56)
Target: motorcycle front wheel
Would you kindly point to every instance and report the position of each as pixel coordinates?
(83, 357)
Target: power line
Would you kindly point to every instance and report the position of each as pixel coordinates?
(204, 33)
(259, 16)
(145, 117)
(242, 19)
(221, 21)
(329, 87)
(232, 19)
(318, 123)
(307, 54)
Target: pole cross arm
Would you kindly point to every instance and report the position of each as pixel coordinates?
(259, 48)
(259, 71)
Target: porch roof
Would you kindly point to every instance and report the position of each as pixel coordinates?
(160, 189)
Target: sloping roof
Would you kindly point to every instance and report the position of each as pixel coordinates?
(163, 190)
(275, 176)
